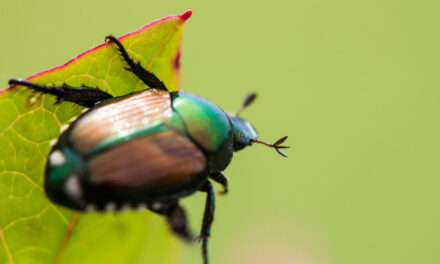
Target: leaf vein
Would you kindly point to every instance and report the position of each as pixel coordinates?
(66, 238)
(39, 187)
(25, 249)
(24, 218)
(5, 245)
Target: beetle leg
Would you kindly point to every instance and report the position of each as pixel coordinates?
(83, 95)
(208, 217)
(221, 179)
(177, 220)
(135, 67)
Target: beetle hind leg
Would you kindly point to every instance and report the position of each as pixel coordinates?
(135, 67)
(176, 218)
(83, 95)
(179, 223)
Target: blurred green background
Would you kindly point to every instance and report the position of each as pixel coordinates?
(355, 85)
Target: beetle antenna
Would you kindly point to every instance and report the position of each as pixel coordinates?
(247, 101)
(275, 145)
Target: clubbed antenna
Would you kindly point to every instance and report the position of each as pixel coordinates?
(275, 145)
(247, 101)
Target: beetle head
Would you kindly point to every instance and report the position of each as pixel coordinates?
(245, 133)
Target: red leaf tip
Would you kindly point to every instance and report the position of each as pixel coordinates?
(186, 15)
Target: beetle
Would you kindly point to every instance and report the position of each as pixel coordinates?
(146, 149)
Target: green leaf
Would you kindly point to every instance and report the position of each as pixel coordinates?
(34, 230)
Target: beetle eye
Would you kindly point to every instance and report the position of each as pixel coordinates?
(240, 143)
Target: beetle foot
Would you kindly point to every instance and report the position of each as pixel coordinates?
(224, 191)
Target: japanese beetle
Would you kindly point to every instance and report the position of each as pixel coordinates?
(145, 149)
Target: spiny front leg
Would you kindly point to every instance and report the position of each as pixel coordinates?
(83, 95)
(146, 76)
(208, 218)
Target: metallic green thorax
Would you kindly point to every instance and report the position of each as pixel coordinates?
(208, 125)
